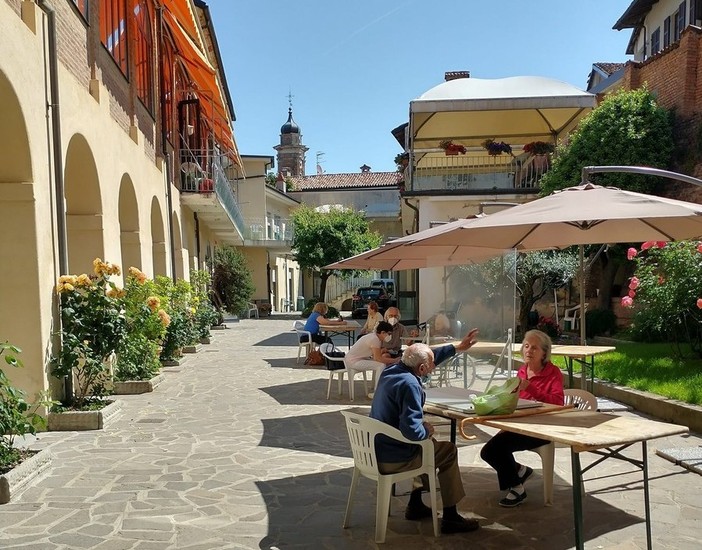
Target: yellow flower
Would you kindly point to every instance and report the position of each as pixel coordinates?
(138, 274)
(115, 293)
(67, 279)
(69, 287)
(153, 302)
(113, 269)
(192, 311)
(165, 318)
(83, 280)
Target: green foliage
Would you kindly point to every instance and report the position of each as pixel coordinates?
(627, 128)
(17, 417)
(322, 238)
(232, 280)
(666, 287)
(137, 359)
(178, 335)
(206, 314)
(599, 322)
(651, 367)
(92, 327)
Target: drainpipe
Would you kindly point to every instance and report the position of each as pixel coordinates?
(415, 222)
(57, 158)
(164, 146)
(197, 239)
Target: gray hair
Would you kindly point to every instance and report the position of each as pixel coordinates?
(544, 342)
(415, 355)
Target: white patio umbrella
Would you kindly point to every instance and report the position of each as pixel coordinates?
(585, 214)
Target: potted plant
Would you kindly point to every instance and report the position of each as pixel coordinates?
(401, 161)
(539, 148)
(451, 148)
(495, 148)
(17, 419)
(92, 326)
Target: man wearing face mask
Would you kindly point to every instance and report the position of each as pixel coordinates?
(366, 353)
(399, 402)
(393, 348)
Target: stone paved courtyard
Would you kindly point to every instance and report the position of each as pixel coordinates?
(239, 448)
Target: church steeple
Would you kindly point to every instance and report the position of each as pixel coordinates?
(291, 151)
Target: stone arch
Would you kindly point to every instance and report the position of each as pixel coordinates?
(129, 234)
(159, 246)
(84, 220)
(26, 275)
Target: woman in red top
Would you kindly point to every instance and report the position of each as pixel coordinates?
(541, 381)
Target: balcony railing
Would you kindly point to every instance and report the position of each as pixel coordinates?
(271, 229)
(202, 172)
(479, 172)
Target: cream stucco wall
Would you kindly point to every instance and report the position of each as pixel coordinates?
(115, 195)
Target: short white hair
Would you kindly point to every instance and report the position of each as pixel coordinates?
(416, 354)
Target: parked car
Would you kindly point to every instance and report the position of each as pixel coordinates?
(389, 285)
(365, 294)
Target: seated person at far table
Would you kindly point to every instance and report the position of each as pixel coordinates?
(393, 347)
(542, 381)
(318, 316)
(365, 354)
(399, 402)
(374, 317)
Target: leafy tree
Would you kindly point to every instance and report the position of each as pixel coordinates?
(322, 238)
(232, 280)
(540, 272)
(628, 128)
(666, 292)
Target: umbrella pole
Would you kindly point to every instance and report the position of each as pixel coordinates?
(581, 253)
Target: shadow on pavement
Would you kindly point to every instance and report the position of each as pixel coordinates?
(311, 508)
(314, 392)
(323, 433)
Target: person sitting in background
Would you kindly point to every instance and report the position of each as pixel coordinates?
(399, 402)
(394, 346)
(365, 354)
(374, 317)
(318, 314)
(542, 381)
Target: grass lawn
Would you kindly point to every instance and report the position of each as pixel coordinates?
(651, 367)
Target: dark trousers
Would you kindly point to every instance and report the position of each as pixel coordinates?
(498, 453)
(316, 338)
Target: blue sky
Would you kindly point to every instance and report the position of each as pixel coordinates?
(354, 66)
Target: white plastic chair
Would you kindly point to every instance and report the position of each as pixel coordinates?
(325, 349)
(299, 328)
(584, 401)
(252, 310)
(572, 317)
(362, 431)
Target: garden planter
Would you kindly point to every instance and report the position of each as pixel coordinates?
(134, 387)
(172, 362)
(206, 340)
(19, 478)
(83, 420)
(194, 348)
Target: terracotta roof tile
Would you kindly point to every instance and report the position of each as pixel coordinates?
(350, 180)
(610, 68)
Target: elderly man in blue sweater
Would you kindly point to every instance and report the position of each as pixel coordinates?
(399, 401)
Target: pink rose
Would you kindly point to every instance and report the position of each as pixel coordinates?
(699, 303)
(661, 244)
(646, 245)
(661, 280)
(634, 283)
(632, 252)
(632, 293)
(627, 301)
(699, 248)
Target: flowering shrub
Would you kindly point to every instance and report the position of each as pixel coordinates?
(92, 326)
(495, 148)
(137, 357)
(449, 147)
(549, 326)
(667, 292)
(181, 330)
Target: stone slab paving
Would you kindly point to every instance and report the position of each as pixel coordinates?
(238, 448)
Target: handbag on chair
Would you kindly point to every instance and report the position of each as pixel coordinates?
(314, 358)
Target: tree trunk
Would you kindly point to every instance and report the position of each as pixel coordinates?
(609, 271)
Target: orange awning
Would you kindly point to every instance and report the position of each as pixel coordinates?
(205, 79)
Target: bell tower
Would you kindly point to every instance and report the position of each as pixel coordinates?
(291, 151)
